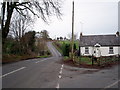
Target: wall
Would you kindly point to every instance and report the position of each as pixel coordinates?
(103, 50)
(83, 51)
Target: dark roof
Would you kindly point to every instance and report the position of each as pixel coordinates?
(103, 40)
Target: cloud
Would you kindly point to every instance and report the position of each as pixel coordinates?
(97, 18)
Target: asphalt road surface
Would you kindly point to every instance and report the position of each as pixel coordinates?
(51, 73)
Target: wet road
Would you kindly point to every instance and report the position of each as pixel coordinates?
(51, 73)
(33, 73)
(73, 77)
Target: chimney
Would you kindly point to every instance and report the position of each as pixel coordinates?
(117, 34)
(81, 34)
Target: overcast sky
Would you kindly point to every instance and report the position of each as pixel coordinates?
(97, 16)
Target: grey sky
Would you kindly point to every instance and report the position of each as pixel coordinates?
(97, 16)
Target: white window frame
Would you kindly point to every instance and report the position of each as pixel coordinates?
(111, 50)
(86, 50)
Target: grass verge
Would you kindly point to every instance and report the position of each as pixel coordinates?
(15, 58)
(57, 48)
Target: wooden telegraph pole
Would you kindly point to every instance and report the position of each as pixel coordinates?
(72, 51)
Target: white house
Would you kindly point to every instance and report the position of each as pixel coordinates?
(99, 45)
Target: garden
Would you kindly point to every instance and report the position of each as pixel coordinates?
(64, 47)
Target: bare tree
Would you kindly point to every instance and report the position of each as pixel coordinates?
(44, 34)
(41, 41)
(42, 9)
(20, 24)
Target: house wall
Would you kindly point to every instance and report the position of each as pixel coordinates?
(104, 51)
(83, 51)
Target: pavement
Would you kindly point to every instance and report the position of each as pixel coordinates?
(51, 73)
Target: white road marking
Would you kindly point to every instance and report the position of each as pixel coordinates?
(62, 65)
(58, 86)
(111, 85)
(44, 59)
(61, 68)
(60, 72)
(12, 72)
(40, 61)
(37, 62)
(60, 76)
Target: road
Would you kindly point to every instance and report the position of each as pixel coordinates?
(52, 73)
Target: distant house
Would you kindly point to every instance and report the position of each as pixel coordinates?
(99, 45)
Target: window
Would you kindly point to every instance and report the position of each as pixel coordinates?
(86, 50)
(110, 50)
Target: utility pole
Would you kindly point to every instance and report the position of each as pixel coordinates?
(72, 51)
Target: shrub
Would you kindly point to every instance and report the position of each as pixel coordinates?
(66, 49)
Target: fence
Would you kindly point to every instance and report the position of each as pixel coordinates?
(101, 61)
(108, 60)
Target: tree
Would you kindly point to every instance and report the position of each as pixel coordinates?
(65, 38)
(44, 34)
(28, 41)
(19, 25)
(61, 38)
(44, 9)
(58, 38)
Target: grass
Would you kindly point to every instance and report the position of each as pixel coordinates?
(15, 58)
(82, 60)
(8, 58)
(85, 60)
(69, 42)
(66, 58)
(61, 44)
(43, 56)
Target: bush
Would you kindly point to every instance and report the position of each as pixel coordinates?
(66, 49)
(74, 46)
